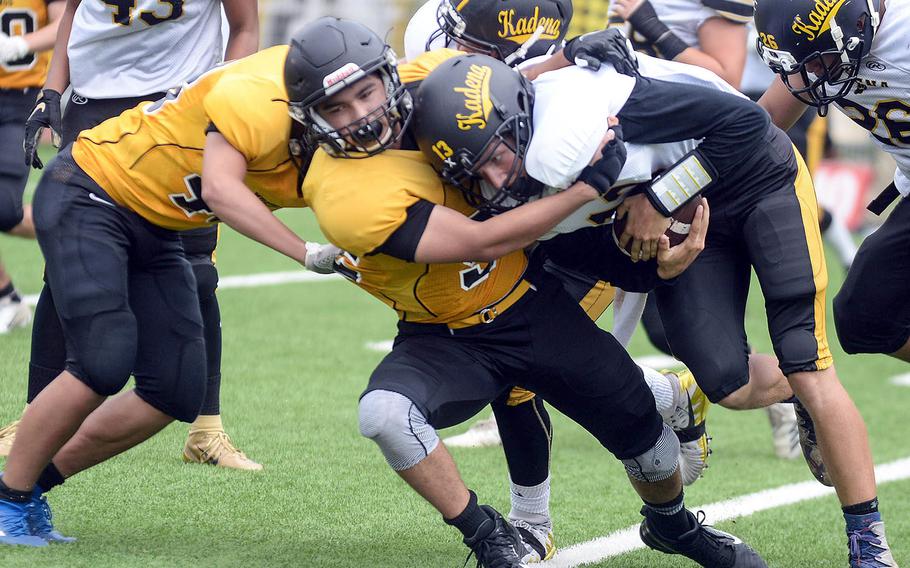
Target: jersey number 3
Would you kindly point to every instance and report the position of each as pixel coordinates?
(123, 12)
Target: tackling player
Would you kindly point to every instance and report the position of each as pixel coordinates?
(115, 56)
(473, 320)
(112, 203)
(857, 61)
(27, 31)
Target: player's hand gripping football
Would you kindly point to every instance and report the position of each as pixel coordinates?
(644, 227)
(321, 258)
(673, 261)
(46, 114)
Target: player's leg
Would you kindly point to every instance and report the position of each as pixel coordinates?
(584, 373)
(15, 219)
(527, 435)
(427, 382)
(871, 311)
(80, 239)
(207, 441)
(785, 245)
(706, 307)
(654, 328)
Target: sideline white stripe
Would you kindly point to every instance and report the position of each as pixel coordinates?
(251, 281)
(627, 540)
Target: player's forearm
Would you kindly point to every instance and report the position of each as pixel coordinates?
(43, 39)
(784, 108)
(522, 226)
(242, 42)
(552, 63)
(235, 205)
(58, 74)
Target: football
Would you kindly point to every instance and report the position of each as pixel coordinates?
(680, 224)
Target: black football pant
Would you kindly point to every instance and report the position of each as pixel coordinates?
(48, 353)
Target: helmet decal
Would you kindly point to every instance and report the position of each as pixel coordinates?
(819, 20)
(477, 101)
(521, 28)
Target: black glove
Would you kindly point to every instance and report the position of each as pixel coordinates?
(46, 114)
(602, 174)
(644, 21)
(603, 46)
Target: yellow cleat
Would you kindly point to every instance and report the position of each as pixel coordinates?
(7, 437)
(688, 422)
(214, 447)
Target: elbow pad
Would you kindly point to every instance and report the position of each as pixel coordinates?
(681, 183)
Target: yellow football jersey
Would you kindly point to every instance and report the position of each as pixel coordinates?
(17, 18)
(360, 203)
(149, 159)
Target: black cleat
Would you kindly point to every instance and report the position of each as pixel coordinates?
(809, 443)
(496, 544)
(703, 544)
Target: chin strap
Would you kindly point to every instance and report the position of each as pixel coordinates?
(520, 53)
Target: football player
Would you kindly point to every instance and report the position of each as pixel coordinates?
(474, 321)
(27, 31)
(113, 203)
(853, 56)
(99, 51)
(767, 221)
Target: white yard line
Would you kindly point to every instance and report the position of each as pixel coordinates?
(901, 380)
(627, 540)
(252, 281)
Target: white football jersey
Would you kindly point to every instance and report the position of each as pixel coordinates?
(123, 49)
(685, 17)
(571, 108)
(880, 103)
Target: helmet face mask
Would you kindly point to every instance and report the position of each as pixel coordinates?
(358, 55)
(819, 61)
(509, 30)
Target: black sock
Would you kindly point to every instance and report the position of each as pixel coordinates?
(469, 520)
(10, 290)
(526, 435)
(13, 495)
(669, 519)
(864, 508)
(50, 477)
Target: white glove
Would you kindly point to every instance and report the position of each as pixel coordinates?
(321, 258)
(12, 48)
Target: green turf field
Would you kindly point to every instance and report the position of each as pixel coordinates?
(295, 362)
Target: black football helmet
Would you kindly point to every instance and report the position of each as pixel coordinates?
(510, 30)
(328, 55)
(464, 110)
(832, 36)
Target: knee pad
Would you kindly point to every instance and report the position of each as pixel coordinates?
(107, 352)
(206, 278)
(398, 427)
(658, 463)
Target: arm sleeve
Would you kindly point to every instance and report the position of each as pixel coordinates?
(403, 242)
(732, 128)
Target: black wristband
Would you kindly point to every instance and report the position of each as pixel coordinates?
(646, 23)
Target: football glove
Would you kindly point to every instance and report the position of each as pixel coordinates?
(46, 114)
(602, 174)
(12, 48)
(320, 258)
(593, 49)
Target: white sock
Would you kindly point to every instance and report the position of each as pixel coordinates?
(531, 504)
(664, 391)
